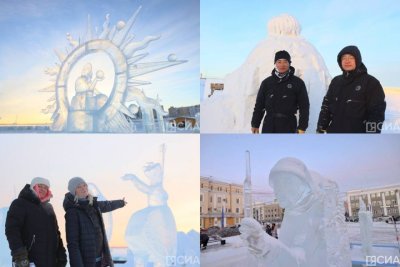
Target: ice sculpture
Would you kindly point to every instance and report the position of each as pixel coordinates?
(90, 110)
(248, 208)
(5, 255)
(188, 248)
(231, 109)
(313, 231)
(151, 232)
(365, 220)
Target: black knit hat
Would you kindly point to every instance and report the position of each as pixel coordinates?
(282, 55)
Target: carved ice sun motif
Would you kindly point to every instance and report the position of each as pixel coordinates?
(91, 110)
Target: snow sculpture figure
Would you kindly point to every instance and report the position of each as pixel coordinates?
(313, 231)
(365, 219)
(231, 109)
(151, 232)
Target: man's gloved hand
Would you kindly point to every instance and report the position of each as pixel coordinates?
(20, 258)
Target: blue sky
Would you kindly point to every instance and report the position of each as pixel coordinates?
(353, 161)
(30, 30)
(230, 30)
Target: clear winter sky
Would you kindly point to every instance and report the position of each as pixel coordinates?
(30, 30)
(353, 161)
(230, 30)
(102, 160)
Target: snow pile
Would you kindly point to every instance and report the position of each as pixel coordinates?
(231, 109)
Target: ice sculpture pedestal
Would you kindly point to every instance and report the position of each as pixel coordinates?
(80, 121)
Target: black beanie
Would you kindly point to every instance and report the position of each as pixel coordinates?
(282, 55)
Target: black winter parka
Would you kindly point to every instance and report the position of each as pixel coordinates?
(355, 101)
(279, 99)
(32, 226)
(81, 230)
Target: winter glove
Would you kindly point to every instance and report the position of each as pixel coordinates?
(20, 258)
(299, 131)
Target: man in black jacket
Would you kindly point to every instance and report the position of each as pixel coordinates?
(280, 96)
(355, 101)
(32, 230)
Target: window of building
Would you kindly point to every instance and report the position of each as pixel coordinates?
(237, 210)
(201, 210)
(237, 201)
(201, 198)
(210, 199)
(201, 185)
(219, 199)
(211, 187)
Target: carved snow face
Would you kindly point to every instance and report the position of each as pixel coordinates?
(289, 189)
(153, 171)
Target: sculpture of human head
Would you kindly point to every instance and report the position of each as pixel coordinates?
(154, 172)
(87, 71)
(291, 181)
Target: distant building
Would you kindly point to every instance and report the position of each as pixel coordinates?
(189, 111)
(217, 195)
(268, 212)
(382, 201)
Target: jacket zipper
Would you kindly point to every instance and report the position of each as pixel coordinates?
(33, 241)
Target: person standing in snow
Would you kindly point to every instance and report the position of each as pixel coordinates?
(279, 98)
(32, 230)
(355, 101)
(84, 226)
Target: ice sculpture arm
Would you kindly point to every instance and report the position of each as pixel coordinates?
(106, 206)
(304, 107)
(376, 104)
(138, 183)
(259, 107)
(267, 249)
(14, 223)
(73, 244)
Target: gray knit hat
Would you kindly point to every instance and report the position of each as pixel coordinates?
(74, 183)
(39, 180)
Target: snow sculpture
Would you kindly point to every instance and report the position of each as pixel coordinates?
(313, 232)
(365, 220)
(151, 232)
(231, 110)
(90, 110)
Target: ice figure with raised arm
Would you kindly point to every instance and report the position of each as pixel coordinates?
(313, 231)
(151, 232)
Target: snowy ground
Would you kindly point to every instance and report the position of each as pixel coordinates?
(234, 254)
